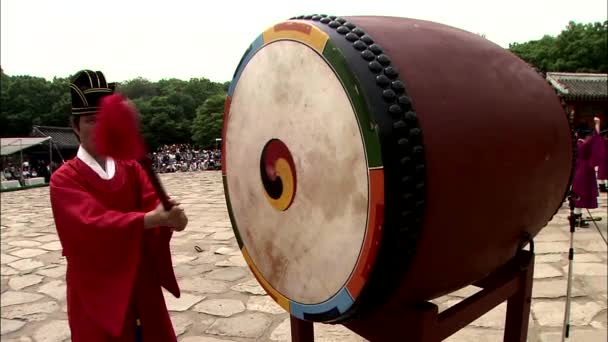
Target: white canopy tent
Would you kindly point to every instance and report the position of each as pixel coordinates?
(9, 146)
(13, 145)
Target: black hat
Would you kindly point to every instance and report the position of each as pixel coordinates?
(583, 133)
(87, 88)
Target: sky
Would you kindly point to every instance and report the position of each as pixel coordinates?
(194, 38)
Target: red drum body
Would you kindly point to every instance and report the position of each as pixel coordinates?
(374, 161)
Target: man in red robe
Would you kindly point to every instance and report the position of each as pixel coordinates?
(115, 236)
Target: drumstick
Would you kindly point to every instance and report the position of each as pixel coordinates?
(117, 135)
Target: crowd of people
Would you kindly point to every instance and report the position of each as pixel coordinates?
(31, 169)
(185, 158)
(167, 158)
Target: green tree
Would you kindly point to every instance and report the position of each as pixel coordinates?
(207, 125)
(138, 88)
(578, 48)
(5, 82)
(158, 122)
(25, 98)
(538, 53)
(168, 107)
(200, 89)
(61, 104)
(214, 104)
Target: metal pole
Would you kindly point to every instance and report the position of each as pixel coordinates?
(21, 165)
(571, 219)
(50, 156)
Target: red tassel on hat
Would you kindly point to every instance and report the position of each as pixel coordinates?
(116, 132)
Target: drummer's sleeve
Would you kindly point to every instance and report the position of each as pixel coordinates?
(162, 236)
(149, 198)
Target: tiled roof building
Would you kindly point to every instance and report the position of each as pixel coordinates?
(580, 86)
(586, 96)
(63, 137)
(63, 140)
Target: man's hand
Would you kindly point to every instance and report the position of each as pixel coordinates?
(174, 217)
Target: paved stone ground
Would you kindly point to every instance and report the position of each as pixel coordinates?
(221, 301)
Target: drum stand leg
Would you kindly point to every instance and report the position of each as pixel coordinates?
(518, 307)
(301, 331)
(424, 323)
(513, 283)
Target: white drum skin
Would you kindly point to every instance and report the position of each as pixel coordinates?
(308, 251)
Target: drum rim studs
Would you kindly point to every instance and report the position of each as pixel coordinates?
(383, 59)
(398, 86)
(360, 45)
(391, 72)
(349, 25)
(368, 55)
(376, 49)
(351, 37)
(334, 24)
(342, 30)
(382, 81)
(375, 67)
(404, 100)
(367, 39)
(359, 32)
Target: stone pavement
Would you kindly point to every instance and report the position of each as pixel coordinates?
(221, 301)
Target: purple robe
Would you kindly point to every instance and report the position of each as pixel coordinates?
(602, 172)
(584, 184)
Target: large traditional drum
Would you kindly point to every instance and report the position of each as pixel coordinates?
(384, 161)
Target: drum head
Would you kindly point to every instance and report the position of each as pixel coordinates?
(299, 186)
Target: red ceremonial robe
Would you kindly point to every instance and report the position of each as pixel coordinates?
(115, 268)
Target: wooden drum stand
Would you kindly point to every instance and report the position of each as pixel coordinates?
(423, 323)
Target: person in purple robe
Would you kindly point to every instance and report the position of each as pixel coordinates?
(584, 184)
